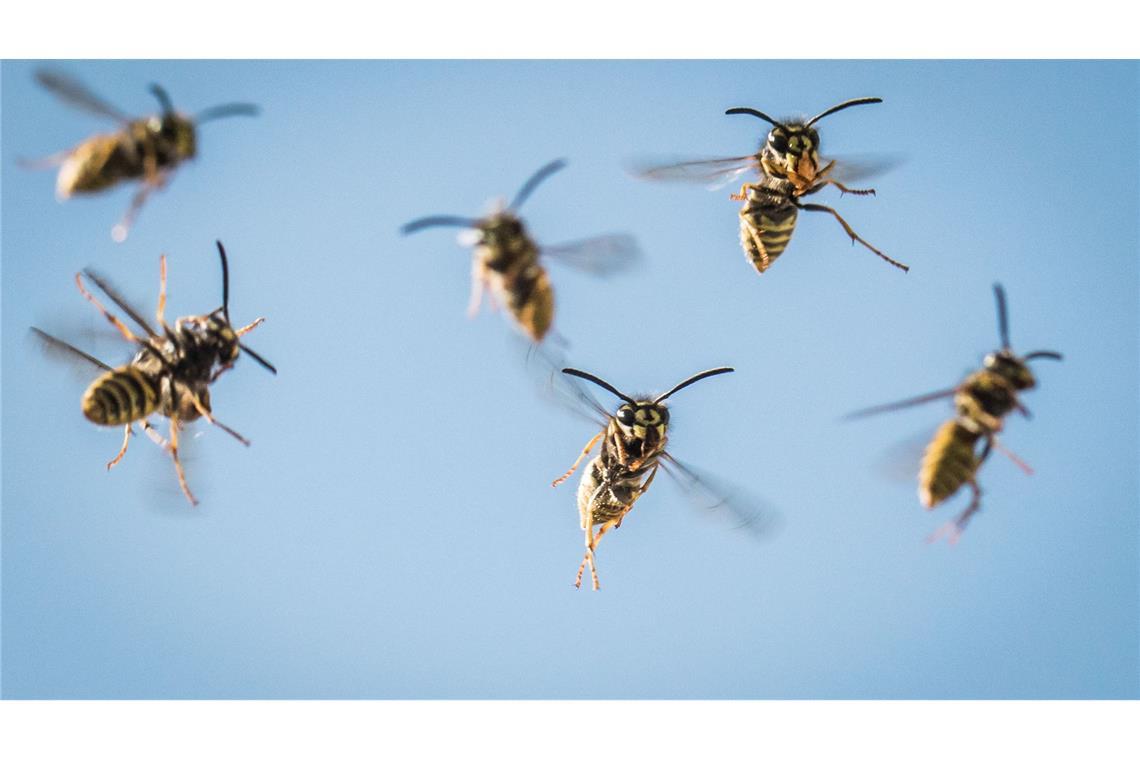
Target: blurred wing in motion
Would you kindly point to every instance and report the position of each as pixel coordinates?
(75, 93)
(904, 404)
(714, 173)
(544, 365)
(861, 166)
(602, 256)
(63, 351)
(900, 462)
(103, 284)
(749, 512)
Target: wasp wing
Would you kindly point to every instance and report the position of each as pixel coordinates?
(712, 172)
(602, 255)
(75, 93)
(63, 350)
(904, 404)
(857, 167)
(105, 285)
(544, 365)
(711, 493)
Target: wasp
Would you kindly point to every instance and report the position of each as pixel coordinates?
(507, 260)
(633, 441)
(171, 371)
(149, 148)
(981, 402)
(789, 168)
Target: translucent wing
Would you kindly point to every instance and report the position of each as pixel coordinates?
(75, 93)
(105, 285)
(904, 404)
(713, 172)
(900, 462)
(64, 350)
(749, 512)
(602, 256)
(861, 166)
(544, 365)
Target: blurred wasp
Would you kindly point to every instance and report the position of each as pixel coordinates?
(632, 449)
(148, 148)
(981, 403)
(790, 168)
(171, 372)
(507, 261)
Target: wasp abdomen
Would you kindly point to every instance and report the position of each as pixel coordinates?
(120, 397)
(530, 299)
(767, 222)
(949, 462)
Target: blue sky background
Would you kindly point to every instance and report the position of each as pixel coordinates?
(392, 532)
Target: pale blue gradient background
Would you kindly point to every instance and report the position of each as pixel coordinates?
(392, 532)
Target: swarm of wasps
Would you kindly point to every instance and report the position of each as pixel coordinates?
(173, 368)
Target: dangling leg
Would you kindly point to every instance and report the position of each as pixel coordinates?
(589, 556)
(844, 189)
(954, 529)
(851, 233)
(123, 227)
(585, 451)
(126, 439)
(202, 410)
(160, 312)
(154, 435)
(478, 285)
(118, 323)
(1012, 457)
(591, 547)
(173, 449)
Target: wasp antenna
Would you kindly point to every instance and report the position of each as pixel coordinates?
(163, 99)
(227, 110)
(437, 221)
(1043, 355)
(536, 179)
(754, 112)
(257, 358)
(597, 381)
(225, 280)
(1003, 320)
(691, 380)
(841, 106)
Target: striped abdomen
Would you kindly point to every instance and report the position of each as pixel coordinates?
(607, 492)
(767, 222)
(99, 163)
(528, 296)
(949, 462)
(121, 396)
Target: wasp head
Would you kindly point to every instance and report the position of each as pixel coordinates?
(210, 334)
(644, 420)
(1011, 367)
(791, 151)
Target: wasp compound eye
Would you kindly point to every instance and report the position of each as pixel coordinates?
(625, 415)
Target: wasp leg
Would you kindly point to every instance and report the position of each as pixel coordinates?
(742, 194)
(645, 486)
(118, 323)
(1013, 457)
(173, 449)
(578, 461)
(953, 529)
(478, 285)
(844, 189)
(242, 331)
(160, 311)
(851, 233)
(126, 439)
(154, 435)
(123, 227)
(202, 410)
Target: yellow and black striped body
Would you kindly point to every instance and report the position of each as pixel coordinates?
(615, 479)
(949, 462)
(767, 221)
(122, 396)
(508, 261)
(143, 146)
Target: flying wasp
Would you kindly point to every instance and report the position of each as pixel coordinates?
(981, 403)
(789, 168)
(171, 372)
(149, 148)
(633, 443)
(507, 261)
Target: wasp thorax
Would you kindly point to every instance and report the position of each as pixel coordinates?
(211, 332)
(177, 134)
(643, 421)
(1006, 365)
